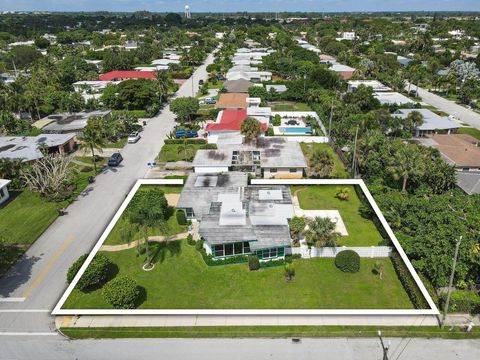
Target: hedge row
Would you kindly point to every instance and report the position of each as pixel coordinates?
(409, 284)
(188, 141)
(462, 301)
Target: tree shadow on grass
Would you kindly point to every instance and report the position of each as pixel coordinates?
(141, 297)
(163, 249)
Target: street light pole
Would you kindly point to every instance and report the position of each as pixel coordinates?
(384, 348)
(450, 283)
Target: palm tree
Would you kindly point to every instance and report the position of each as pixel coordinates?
(413, 120)
(92, 138)
(343, 193)
(320, 163)
(407, 162)
(250, 128)
(379, 268)
(321, 232)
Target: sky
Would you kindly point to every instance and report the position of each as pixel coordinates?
(240, 5)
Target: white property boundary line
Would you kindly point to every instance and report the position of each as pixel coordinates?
(387, 312)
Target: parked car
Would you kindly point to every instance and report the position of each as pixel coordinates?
(210, 101)
(220, 77)
(179, 134)
(201, 82)
(133, 137)
(292, 122)
(115, 159)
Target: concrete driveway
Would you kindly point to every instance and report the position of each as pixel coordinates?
(29, 291)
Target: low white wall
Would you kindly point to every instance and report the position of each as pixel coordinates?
(210, 169)
(306, 139)
(329, 252)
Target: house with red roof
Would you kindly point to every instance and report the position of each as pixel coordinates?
(230, 121)
(126, 75)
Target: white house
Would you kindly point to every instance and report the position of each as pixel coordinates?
(4, 195)
(377, 86)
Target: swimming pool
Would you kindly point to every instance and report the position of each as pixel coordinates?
(295, 130)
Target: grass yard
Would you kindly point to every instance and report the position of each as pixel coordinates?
(179, 152)
(362, 232)
(339, 171)
(120, 143)
(289, 106)
(182, 280)
(470, 131)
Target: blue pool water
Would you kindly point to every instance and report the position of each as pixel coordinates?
(296, 130)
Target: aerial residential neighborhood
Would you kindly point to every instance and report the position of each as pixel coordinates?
(217, 180)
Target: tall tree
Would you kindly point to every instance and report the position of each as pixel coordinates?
(407, 162)
(250, 128)
(92, 138)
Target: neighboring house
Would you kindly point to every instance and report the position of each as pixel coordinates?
(237, 86)
(377, 86)
(232, 101)
(91, 89)
(268, 157)
(432, 123)
(346, 36)
(327, 59)
(230, 121)
(130, 45)
(66, 123)
(126, 75)
(4, 195)
(28, 148)
(403, 61)
(7, 78)
(165, 62)
(278, 88)
(237, 218)
(469, 182)
(346, 72)
(392, 98)
(253, 76)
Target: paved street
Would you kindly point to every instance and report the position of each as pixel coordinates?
(39, 348)
(39, 277)
(450, 107)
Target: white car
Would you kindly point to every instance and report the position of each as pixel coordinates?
(133, 137)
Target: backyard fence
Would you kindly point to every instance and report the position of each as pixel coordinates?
(307, 139)
(330, 252)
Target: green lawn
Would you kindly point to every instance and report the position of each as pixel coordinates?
(182, 280)
(120, 143)
(362, 232)
(470, 131)
(289, 106)
(179, 152)
(339, 171)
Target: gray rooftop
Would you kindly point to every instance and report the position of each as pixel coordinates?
(28, 147)
(240, 85)
(71, 122)
(469, 181)
(431, 121)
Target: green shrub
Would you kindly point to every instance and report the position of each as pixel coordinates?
(270, 132)
(277, 120)
(289, 271)
(348, 261)
(253, 262)
(122, 293)
(190, 240)
(409, 284)
(73, 270)
(199, 245)
(462, 301)
(181, 219)
(96, 273)
(182, 141)
(86, 169)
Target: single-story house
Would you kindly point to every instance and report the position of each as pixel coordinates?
(232, 101)
(392, 98)
(469, 182)
(346, 72)
(4, 195)
(230, 121)
(28, 148)
(253, 76)
(459, 150)
(165, 62)
(268, 157)
(403, 61)
(376, 85)
(432, 123)
(66, 123)
(237, 218)
(278, 88)
(237, 86)
(126, 75)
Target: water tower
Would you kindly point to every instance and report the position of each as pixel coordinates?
(187, 12)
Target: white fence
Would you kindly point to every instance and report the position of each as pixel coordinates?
(307, 139)
(329, 252)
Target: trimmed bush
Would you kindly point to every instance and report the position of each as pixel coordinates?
(409, 284)
(253, 262)
(190, 240)
(463, 301)
(96, 274)
(181, 219)
(73, 270)
(199, 245)
(188, 141)
(348, 261)
(122, 293)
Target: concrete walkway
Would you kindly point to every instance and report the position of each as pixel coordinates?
(450, 107)
(133, 244)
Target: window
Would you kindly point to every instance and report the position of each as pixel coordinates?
(228, 249)
(273, 252)
(238, 248)
(273, 170)
(189, 212)
(293, 170)
(218, 250)
(246, 247)
(281, 251)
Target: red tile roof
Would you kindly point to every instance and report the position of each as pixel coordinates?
(231, 120)
(123, 75)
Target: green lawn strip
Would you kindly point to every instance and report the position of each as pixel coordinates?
(100, 161)
(361, 231)
(470, 131)
(269, 332)
(289, 106)
(182, 280)
(178, 152)
(339, 171)
(120, 143)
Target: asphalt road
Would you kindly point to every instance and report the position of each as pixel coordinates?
(450, 107)
(39, 276)
(40, 348)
